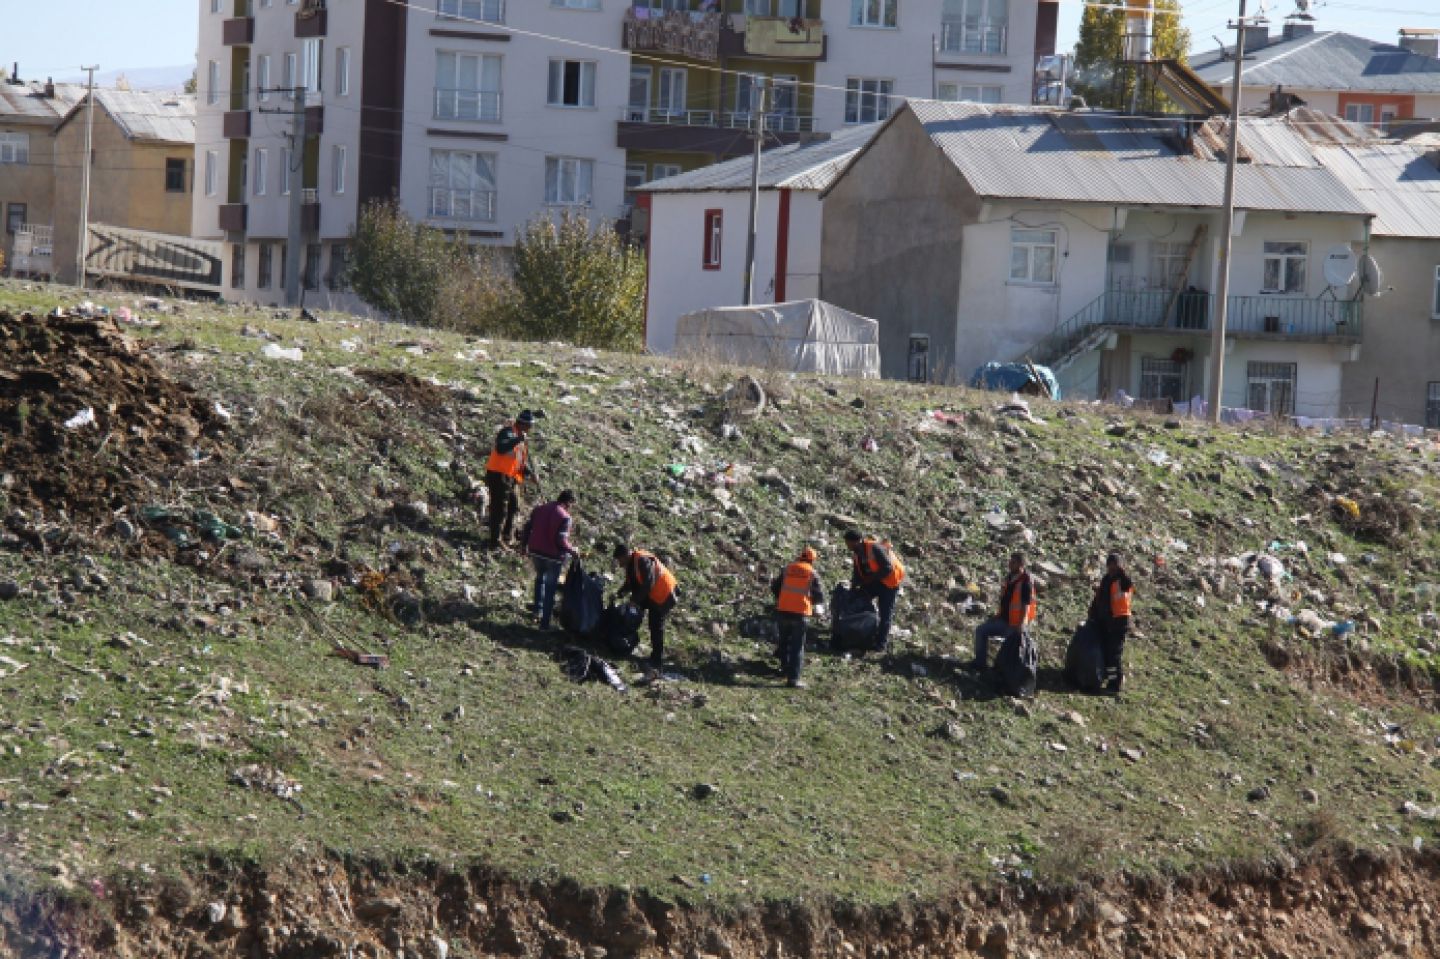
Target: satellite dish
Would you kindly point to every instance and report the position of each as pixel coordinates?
(1372, 280)
(1340, 265)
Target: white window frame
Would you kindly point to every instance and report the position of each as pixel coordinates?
(712, 256)
(1159, 372)
(262, 77)
(1166, 258)
(868, 99)
(1287, 263)
(15, 148)
(342, 71)
(212, 82)
(449, 201)
(1360, 113)
(313, 56)
(214, 6)
(555, 84)
(474, 11)
(672, 90)
(659, 171)
(1032, 241)
(875, 14)
(1435, 297)
(555, 169)
(973, 92)
(261, 171)
(290, 76)
(212, 172)
(338, 158)
(576, 4)
(286, 155)
(980, 26)
(479, 105)
(1270, 375)
(636, 173)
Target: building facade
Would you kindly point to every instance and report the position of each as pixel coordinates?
(28, 114)
(478, 115)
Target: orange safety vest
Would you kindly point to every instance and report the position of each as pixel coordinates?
(510, 464)
(1119, 599)
(664, 579)
(869, 565)
(795, 589)
(1019, 617)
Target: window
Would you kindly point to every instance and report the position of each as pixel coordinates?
(639, 104)
(262, 171)
(1162, 379)
(572, 83)
(263, 265)
(15, 148)
(567, 180)
(284, 262)
(237, 266)
(873, 13)
(337, 169)
(338, 277)
(285, 170)
(288, 79)
(672, 90)
(975, 93)
(576, 4)
(1432, 406)
(311, 274)
(212, 83)
(14, 217)
(777, 8)
(634, 176)
(1169, 264)
(310, 76)
(867, 99)
(1032, 256)
(712, 243)
(266, 3)
(1271, 388)
(1435, 299)
(974, 26)
(212, 171)
(214, 6)
(342, 71)
(262, 77)
(490, 11)
(462, 185)
(467, 87)
(661, 170)
(1360, 112)
(1284, 267)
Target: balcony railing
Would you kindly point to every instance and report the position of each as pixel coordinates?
(686, 34)
(774, 122)
(449, 204)
(484, 11)
(467, 104)
(973, 35)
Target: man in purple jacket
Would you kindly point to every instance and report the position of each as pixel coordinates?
(546, 536)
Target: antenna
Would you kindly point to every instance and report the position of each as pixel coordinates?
(1302, 11)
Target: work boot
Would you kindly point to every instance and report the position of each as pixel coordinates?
(1112, 686)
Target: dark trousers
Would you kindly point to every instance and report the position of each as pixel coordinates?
(792, 644)
(547, 577)
(504, 504)
(657, 616)
(884, 597)
(1113, 633)
(993, 628)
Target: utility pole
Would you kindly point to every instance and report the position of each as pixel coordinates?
(1227, 238)
(295, 176)
(82, 243)
(757, 120)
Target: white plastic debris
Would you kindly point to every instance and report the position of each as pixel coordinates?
(83, 418)
(276, 352)
(222, 412)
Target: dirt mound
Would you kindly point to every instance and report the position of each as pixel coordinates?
(403, 387)
(89, 424)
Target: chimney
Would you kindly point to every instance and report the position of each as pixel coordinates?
(1298, 28)
(49, 88)
(1422, 40)
(1257, 35)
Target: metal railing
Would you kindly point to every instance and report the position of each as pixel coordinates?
(488, 11)
(774, 122)
(462, 204)
(974, 35)
(729, 120)
(309, 195)
(677, 118)
(453, 104)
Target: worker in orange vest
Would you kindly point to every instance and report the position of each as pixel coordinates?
(1110, 613)
(1017, 610)
(877, 573)
(798, 596)
(505, 471)
(652, 588)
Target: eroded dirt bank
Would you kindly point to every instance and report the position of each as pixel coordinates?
(1357, 905)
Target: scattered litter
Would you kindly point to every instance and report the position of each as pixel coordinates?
(276, 352)
(353, 346)
(581, 666)
(376, 660)
(222, 412)
(10, 667)
(1158, 457)
(266, 779)
(1348, 506)
(869, 444)
(83, 418)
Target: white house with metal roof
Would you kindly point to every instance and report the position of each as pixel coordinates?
(1090, 241)
(699, 224)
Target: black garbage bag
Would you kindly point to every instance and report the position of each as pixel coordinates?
(1018, 665)
(581, 666)
(854, 620)
(620, 628)
(1085, 659)
(582, 601)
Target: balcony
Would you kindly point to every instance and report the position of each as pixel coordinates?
(448, 204)
(232, 217)
(773, 38)
(694, 131)
(472, 11)
(236, 124)
(311, 20)
(310, 210)
(238, 32)
(974, 35)
(479, 105)
(694, 35)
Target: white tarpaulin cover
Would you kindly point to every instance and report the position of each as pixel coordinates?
(804, 336)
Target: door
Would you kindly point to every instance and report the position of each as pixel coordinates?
(639, 108)
(672, 91)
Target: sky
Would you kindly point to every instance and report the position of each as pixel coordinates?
(54, 37)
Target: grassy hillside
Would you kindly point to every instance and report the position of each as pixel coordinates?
(179, 700)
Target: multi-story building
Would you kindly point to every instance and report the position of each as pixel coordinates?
(28, 112)
(479, 115)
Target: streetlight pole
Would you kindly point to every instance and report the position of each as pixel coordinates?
(757, 114)
(82, 243)
(1227, 238)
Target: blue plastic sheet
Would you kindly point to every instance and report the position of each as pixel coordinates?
(1014, 378)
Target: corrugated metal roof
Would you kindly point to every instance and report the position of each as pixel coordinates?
(1324, 61)
(142, 115)
(1042, 153)
(27, 101)
(800, 166)
(1398, 182)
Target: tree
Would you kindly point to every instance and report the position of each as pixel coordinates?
(192, 86)
(400, 267)
(579, 284)
(1100, 51)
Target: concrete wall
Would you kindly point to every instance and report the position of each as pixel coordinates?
(1402, 335)
(892, 246)
(1327, 101)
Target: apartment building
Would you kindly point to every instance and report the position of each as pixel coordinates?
(479, 115)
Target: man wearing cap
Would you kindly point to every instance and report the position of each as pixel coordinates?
(506, 469)
(1017, 610)
(798, 595)
(877, 573)
(652, 588)
(546, 536)
(1110, 612)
